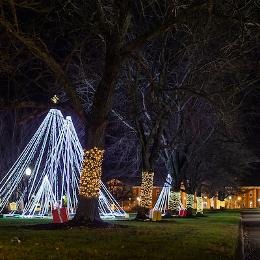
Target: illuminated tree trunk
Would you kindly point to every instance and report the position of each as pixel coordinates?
(90, 186)
(96, 124)
(174, 167)
(190, 204)
(146, 189)
(174, 203)
(199, 206)
(189, 196)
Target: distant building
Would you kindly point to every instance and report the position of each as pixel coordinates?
(246, 197)
(128, 197)
(121, 192)
(116, 187)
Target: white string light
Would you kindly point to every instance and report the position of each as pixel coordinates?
(162, 203)
(55, 155)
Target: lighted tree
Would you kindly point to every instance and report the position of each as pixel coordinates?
(110, 33)
(112, 21)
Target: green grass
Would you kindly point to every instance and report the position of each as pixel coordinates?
(211, 237)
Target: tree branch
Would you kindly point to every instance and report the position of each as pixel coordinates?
(49, 61)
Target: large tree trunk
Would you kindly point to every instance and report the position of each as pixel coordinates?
(189, 200)
(146, 195)
(174, 202)
(146, 189)
(87, 210)
(199, 211)
(174, 168)
(89, 187)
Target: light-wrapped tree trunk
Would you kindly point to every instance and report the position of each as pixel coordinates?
(146, 189)
(199, 206)
(190, 204)
(90, 186)
(175, 199)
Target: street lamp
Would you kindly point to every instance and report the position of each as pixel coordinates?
(27, 174)
(28, 171)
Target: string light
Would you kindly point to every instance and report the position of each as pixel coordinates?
(91, 173)
(175, 199)
(199, 205)
(56, 155)
(190, 200)
(44, 198)
(162, 203)
(146, 189)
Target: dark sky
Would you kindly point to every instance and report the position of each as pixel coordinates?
(251, 119)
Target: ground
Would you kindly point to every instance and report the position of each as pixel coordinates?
(214, 236)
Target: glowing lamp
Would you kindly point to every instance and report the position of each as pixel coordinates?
(28, 171)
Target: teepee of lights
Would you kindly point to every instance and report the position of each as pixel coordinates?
(163, 201)
(46, 174)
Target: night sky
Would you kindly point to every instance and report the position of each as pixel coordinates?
(251, 117)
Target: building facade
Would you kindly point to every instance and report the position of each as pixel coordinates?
(129, 197)
(247, 197)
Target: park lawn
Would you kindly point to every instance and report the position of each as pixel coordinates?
(214, 236)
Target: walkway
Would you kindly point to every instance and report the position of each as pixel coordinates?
(251, 233)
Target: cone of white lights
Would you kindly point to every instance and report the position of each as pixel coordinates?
(55, 157)
(162, 203)
(146, 189)
(34, 156)
(91, 173)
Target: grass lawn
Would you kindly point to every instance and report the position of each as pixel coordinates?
(211, 237)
